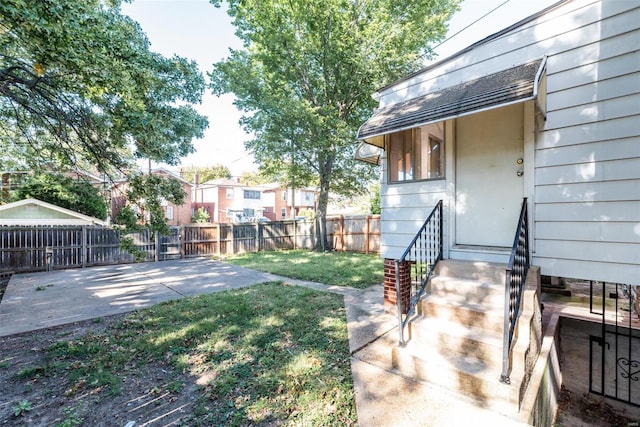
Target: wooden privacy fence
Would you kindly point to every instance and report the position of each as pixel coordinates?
(39, 248)
(354, 233)
(223, 239)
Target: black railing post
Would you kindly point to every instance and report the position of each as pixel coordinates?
(399, 303)
(441, 240)
(422, 253)
(515, 278)
(506, 341)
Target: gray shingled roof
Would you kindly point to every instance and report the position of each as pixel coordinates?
(504, 87)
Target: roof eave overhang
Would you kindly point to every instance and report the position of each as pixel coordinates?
(378, 139)
(530, 86)
(366, 153)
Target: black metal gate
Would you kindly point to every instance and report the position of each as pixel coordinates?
(614, 354)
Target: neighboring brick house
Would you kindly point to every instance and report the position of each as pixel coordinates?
(279, 201)
(175, 214)
(228, 200)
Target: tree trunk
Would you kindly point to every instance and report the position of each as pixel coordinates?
(321, 214)
(321, 222)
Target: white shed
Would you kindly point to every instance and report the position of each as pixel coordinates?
(547, 109)
(37, 212)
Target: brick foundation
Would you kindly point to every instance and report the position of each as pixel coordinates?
(390, 297)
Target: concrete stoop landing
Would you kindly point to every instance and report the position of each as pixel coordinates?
(455, 339)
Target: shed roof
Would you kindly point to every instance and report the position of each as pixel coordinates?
(37, 212)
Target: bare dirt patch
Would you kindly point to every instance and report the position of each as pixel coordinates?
(579, 410)
(34, 394)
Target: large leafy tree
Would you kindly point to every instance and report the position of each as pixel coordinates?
(80, 89)
(255, 178)
(75, 194)
(144, 188)
(205, 173)
(305, 75)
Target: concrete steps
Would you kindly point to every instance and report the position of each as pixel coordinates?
(470, 376)
(472, 344)
(456, 339)
(468, 314)
(472, 270)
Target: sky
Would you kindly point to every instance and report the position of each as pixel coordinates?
(197, 30)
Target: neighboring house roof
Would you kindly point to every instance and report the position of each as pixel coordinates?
(94, 179)
(271, 186)
(37, 212)
(223, 182)
(156, 171)
(515, 84)
(171, 174)
(276, 186)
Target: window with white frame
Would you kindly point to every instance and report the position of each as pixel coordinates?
(169, 212)
(283, 212)
(251, 194)
(416, 154)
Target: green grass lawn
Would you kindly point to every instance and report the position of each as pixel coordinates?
(331, 268)
(270, 354)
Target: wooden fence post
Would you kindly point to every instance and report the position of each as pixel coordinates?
(367, 232)
(233, 240)
(182, 233)
(156, 235)
(219, 228)
(295, 233)
(257, 245)
(342, 233)
(85, 253)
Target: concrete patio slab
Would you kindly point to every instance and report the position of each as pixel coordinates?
(40, 300)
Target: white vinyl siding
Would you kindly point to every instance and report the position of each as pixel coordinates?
(601, 150)
(405, 207)
(573, 231)
(563, 30)
(594, 112)
(585, 217)
(591, 171)
(611, 130)
(605, 191)
(587, 195)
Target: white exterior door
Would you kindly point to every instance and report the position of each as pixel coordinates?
(489, 186)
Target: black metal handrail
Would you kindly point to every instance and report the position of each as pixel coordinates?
(415, 267)
(516, 275)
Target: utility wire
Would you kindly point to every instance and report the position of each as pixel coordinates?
(467, 27)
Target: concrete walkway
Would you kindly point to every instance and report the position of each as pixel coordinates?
(383, 398)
